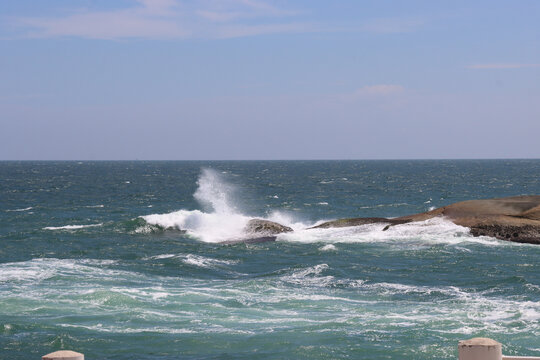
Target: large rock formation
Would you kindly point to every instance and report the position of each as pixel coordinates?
(513, 218)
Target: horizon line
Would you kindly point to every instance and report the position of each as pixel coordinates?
(299, 159)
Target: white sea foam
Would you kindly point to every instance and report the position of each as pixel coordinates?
(195, 260)
(36, 270)
(301, 296)
(433, 231)
(71, 227)
(222, 219)
(209, 227)
(206, 262)
(19, 210)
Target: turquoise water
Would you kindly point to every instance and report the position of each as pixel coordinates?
(91, 260)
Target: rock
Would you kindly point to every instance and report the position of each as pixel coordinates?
(514, 218)
(265, 227)
(359, 221)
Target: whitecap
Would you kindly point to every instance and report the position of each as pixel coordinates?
(19, 210)
(194, 260)
(205, 262)
(71, 227)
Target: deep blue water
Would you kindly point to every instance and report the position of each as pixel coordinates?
(91, 260)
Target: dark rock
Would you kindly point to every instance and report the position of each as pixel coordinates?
(516, 233)
(359, 221)
(265, 227)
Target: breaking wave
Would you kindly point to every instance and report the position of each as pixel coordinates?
(222, 220)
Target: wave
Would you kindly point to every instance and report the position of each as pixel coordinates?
(222, 220)
(71, 227)
(36, 270)
(195, 260)
(294, 298)
(19, 210)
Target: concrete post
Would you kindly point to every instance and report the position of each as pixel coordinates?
(479, 349)
(63, 355)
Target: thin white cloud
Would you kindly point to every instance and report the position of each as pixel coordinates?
(372, 93)
(381, 89)
(502, 66)
(189, 19)
(169, 19)
(393, 25)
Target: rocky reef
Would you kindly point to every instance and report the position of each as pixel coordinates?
(514, 218)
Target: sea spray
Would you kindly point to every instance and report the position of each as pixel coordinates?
(214, 193)
(221, 219)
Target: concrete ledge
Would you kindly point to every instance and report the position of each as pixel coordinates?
(479, 349)
(63, 355)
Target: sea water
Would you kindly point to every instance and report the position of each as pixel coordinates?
(122, 260)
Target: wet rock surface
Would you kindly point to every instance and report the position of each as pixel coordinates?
(514, 218)
(358, 221)
(265, 227)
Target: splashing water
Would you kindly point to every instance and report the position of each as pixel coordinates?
(222, 221)
(214, 193)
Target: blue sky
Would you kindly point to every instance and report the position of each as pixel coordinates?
(250, 79)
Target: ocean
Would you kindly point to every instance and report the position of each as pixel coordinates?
(121, 260)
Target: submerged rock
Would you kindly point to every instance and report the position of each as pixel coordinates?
(265, 227)
(358, 221)
(257, 240)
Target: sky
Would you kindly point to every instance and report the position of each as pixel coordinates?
(262, 79)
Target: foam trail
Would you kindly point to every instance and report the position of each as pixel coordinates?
(71, 227)
(19, 210)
